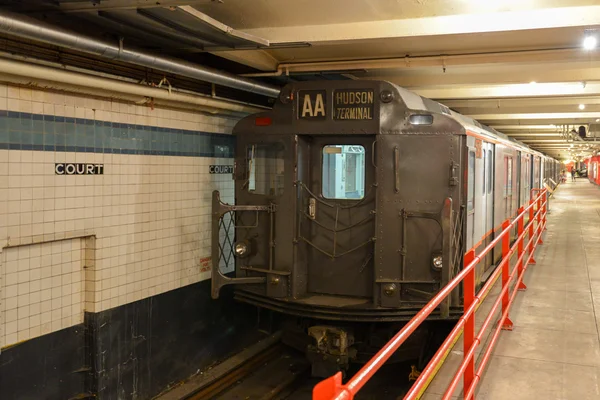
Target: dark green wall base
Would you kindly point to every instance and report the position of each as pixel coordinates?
(130, 352)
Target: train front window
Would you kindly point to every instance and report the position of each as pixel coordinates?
(343, 172)
(265, 163)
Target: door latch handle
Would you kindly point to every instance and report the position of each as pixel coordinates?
(312, 208)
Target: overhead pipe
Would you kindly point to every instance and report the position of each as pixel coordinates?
(12, 24)
(52, 78)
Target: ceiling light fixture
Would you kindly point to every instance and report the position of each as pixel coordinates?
(582, 106)
(532, 82)
(590, 42)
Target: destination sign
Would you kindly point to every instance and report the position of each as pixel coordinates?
(311, 104)
(353, 104)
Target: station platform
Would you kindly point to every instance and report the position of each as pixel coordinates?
(553, 351)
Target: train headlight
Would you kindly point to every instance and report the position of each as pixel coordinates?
(241, 249)
(437, 262)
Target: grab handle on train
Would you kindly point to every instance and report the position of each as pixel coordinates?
(373, 153)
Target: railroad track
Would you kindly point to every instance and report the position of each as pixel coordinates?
(266, 371)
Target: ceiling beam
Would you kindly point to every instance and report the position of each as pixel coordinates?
(258, 59)
(443, 65)
(105, 5)
(526, 127)
(202, 18)
(513, 73)
(489, 20)
(564, 109)
(537, 134)
(462, 92)
(537, 116)
(548, 141)
(523, 102)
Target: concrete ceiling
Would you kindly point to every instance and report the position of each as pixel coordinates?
(477, 57)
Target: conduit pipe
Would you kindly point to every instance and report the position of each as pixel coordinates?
(14, 25)
(51, 78)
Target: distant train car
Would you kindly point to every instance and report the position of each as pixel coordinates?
(355, 202)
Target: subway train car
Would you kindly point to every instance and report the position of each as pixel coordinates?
(354, 204)
(592, 169)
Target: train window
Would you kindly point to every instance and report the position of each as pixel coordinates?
(265, 169)
(343, 172)
(421, 119)
(508, 176)
(471, 182)
(490, 175)
(484, 172)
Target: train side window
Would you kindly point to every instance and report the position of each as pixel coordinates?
(471, 182)
(343, 172)
(490, 168)
(265, 163)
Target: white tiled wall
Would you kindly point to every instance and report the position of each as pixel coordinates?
(43, 289)
(140, 229)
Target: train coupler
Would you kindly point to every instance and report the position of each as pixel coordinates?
(331, 351)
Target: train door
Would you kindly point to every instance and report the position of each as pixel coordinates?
(518, 183)
(471, 175)
(525, 180)
(336, 218)
(535, 172)
(542, 171)
(487, 187)
(508, 186)
(488, 197)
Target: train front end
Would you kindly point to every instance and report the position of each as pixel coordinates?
(347, 210)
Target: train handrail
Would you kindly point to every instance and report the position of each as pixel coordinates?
(332, 388)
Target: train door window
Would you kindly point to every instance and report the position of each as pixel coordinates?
(508, 176)
(490, 174)
(343, 172)
(484, 172)
(265, 163)
(536, 173)
(471, 182)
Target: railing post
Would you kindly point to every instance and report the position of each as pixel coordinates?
(530, 223)
(546, 199)
(520, 229)
(508, 325)
(539, 218)
(469, 330)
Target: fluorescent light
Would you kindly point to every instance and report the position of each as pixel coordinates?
(582, 106)
(597, 119)
(532, 82)
(590, 42)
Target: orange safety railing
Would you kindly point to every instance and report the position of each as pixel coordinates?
(332, 387)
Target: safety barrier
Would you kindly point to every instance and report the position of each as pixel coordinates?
(332, 387)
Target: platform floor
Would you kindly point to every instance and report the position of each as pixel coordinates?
(554, 350)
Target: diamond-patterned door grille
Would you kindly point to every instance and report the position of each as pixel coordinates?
(226, 240)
